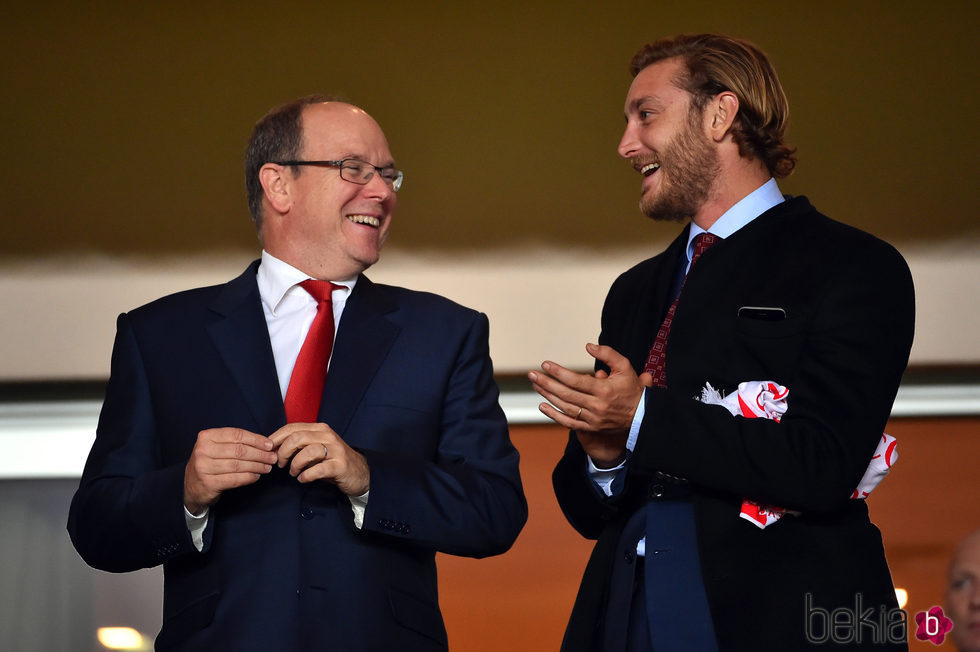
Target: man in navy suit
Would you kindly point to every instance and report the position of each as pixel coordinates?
(319, 534)
(759, 290)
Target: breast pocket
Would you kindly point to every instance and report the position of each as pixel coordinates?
(787, 327)
(765, 350)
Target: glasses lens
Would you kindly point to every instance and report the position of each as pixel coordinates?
(393, 177)
(356, 171)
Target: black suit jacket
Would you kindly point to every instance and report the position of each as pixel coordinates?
(841, 351)
(283, 566)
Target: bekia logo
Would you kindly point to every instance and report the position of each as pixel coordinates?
(932, 625)
(860, 624)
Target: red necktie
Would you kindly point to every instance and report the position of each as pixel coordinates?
(302, 400)
(655, 361)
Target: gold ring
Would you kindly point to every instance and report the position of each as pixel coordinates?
(579, 415)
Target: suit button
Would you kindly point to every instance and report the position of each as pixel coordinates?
(657, 491)
(306, 513)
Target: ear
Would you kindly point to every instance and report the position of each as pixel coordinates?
(275, 182)
(720, 115)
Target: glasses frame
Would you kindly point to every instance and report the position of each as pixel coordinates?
(395, 184)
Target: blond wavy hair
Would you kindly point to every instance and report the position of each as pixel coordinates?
(715, 64)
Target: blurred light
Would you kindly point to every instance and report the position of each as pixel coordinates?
(121, 638)
(903, 597)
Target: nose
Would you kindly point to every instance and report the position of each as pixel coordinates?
(377, 188)
(628, 144)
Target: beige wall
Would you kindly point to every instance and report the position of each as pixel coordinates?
(59, 316)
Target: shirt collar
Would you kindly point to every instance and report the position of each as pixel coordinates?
(744, 211)
(277, 279)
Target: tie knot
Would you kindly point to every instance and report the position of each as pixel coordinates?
(319, 290)
(701, 243)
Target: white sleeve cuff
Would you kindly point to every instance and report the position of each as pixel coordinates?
(359, 504)
(196, 525)
(603, 477)
(637, 420)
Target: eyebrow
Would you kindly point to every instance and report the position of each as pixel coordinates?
(635, 105)
(361, 157)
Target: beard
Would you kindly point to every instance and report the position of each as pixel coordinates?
(688, 165)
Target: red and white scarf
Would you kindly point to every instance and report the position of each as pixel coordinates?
(765, 399)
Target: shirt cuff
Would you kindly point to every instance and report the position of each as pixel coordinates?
(641, 409)
(603, 477)
(196, 525)
(359, 504)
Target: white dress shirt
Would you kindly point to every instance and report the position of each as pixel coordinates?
(289, 311)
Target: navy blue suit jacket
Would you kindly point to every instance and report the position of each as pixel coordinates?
(283, 567)
(841, 351)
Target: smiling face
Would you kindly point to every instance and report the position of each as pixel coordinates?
(665, 142)
(963, 594)
(315, 220)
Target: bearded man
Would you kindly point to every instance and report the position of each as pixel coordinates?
(714, 531)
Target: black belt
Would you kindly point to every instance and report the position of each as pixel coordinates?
(664, 486)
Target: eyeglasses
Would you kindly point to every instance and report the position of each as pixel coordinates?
(357, 171)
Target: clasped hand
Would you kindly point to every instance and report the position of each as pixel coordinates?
(226, 458)
(598, 407)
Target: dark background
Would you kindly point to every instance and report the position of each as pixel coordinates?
(123, 125)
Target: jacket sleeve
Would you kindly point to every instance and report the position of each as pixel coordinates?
(128, 510)
(583, 503)
(469, 500)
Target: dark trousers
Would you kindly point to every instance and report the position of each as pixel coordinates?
(657, 602)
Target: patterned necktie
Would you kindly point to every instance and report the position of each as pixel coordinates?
(305, 389)
(655, 361)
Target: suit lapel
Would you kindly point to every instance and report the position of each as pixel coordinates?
(242, 338)
(655, 300)
(366, 333)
